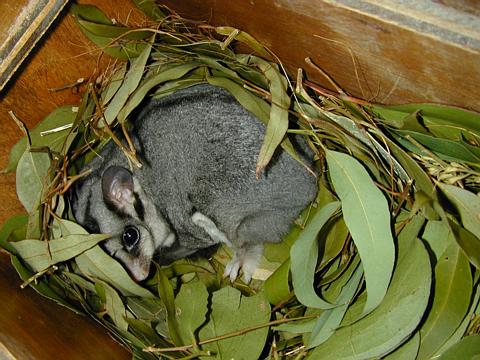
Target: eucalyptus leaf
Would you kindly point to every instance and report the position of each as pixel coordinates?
(298, 327)
(232, 312)
(304, 255)
(171, 86)
(330, 319)
(151, 309)
(40, 255)
(407, 351)
(114, 84)
(249, 101)
(165, 292)
(31, 178)
(142, 329)
(467, 204)
(80, 281)
(462, 329)
(447, 149)
(113, 31)
(121, 51)
(90, 13)
(333, 241)
(129, 85)
(190, 310)
(44, 135)
(467, 348)
(141, 91)
(13, 229)
(278, 120)
(245, 38)
(439, 237)
(150, 8)
(453, 290)
(277, 287)
(469, 243)
(421, 180)
(392, 322)
(113, 305)
(452, 120)
(96, 264)
(365, 211)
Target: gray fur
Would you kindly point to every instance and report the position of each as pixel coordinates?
(197, 187)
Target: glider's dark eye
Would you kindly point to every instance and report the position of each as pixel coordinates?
(130, 237)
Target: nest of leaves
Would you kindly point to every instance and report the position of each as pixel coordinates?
(385, 263)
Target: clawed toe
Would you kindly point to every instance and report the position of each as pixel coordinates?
(245, 259)
(232, 269)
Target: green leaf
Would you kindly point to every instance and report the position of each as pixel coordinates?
(55, 140)
(330, 319)
(113, 304)
(129, 85)
(96, 264)
(190, 310)
(447, 149)
(233, 312)
(365, 211)
(151, 309)
(114, 84)
(467, 348)
(150, 8)
(142, 90)
(469, 243)
(90, 17)
(407, 351)
(334, 241)
(304, 256)
(165, 292)
(421, 179)
(244, 37)
(122, 51)
(90, 13)
(278, 121)
(113, 32)
(249, 101)
(462, 329)
(40, 255)
(443, 121)
(439, 237)
(453, 290)
(13, 230)
(143, 331)
(172, 86)
(298, 327)
(277, 287)
(467, 204)
(31, 178)
(80, 281)
(392, 322)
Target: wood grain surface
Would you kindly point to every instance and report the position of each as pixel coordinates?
(377, 52)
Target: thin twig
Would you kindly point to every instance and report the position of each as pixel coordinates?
(153, 349)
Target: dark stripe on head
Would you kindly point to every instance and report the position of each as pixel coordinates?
(139, 208)
(90, 223)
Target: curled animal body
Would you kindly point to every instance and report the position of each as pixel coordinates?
(197, 186)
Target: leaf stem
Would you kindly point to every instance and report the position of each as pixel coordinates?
(153, 349)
